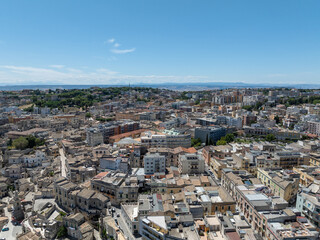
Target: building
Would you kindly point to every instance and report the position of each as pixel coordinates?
(94, 137)
(165, 228)
(69, 196)
(172, 140)
(283, 183)
(117, 186)
(314, 128)
(77, 227)
(308, 174)
(130, 214)
(154, 163)
(191, 164)
(210, 134)
(308, 202)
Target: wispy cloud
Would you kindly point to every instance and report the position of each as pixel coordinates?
(10, 74)
(122, 51)
(115, 47)
(57, 66)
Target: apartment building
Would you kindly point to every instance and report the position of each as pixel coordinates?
(191, 164)
(166, 141)
(315, 159)
(314, 128)
(154, 163)
(94, 137)
(210, 134)
(252, 202)
(117, 186)
(283, 183)
(69, 196)
(308, 202)
(230, 179)
(308, 174)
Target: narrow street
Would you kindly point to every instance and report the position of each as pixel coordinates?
(63, 159)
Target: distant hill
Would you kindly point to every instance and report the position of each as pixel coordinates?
(194, 86)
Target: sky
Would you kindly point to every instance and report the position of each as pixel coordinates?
(153, 41)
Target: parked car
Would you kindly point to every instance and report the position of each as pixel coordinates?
(5, 229)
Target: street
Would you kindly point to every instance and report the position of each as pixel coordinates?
(63, 163)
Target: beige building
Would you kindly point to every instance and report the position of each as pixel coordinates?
(191, 164)
(283, 183)
(315, 159)
(308, 174)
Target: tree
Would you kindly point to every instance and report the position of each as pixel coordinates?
(277, 119)
(195, 142)
(229, 137)
(62, 232)
(221, 142)
(88, 115)
(20, 143)
(270, 137)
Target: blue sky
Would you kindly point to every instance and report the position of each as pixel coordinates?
(106, 42)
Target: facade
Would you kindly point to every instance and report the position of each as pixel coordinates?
(94, 137)
(283, 183)
(154, 163)
(35, 160)
(308, 174)
(191, 164)
(70, 196)
(110, 162)
(210, 134)
(130, 214)
(166, 141)
(117, 186)
(309, 205)
(314, 128)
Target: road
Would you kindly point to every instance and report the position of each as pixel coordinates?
(13, 230)
(209, 171)
(63, 160)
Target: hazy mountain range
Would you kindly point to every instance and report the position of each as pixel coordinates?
(194, 86)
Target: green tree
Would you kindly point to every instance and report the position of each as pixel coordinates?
(221, 142)
(88, 115)
(270, 137)
(62, 232)
(20, 143)
(277, 119)
(229, 138)
(195, 142)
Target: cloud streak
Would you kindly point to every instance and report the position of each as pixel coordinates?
(57, 66)
(122, 51)
(15, 75)
(115, 47)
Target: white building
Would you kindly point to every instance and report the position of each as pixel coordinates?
(171, 140)
(191, 164)
(34, 160)
(154, 163)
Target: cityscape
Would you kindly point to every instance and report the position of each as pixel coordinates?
(159, 120)
(150, 163)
